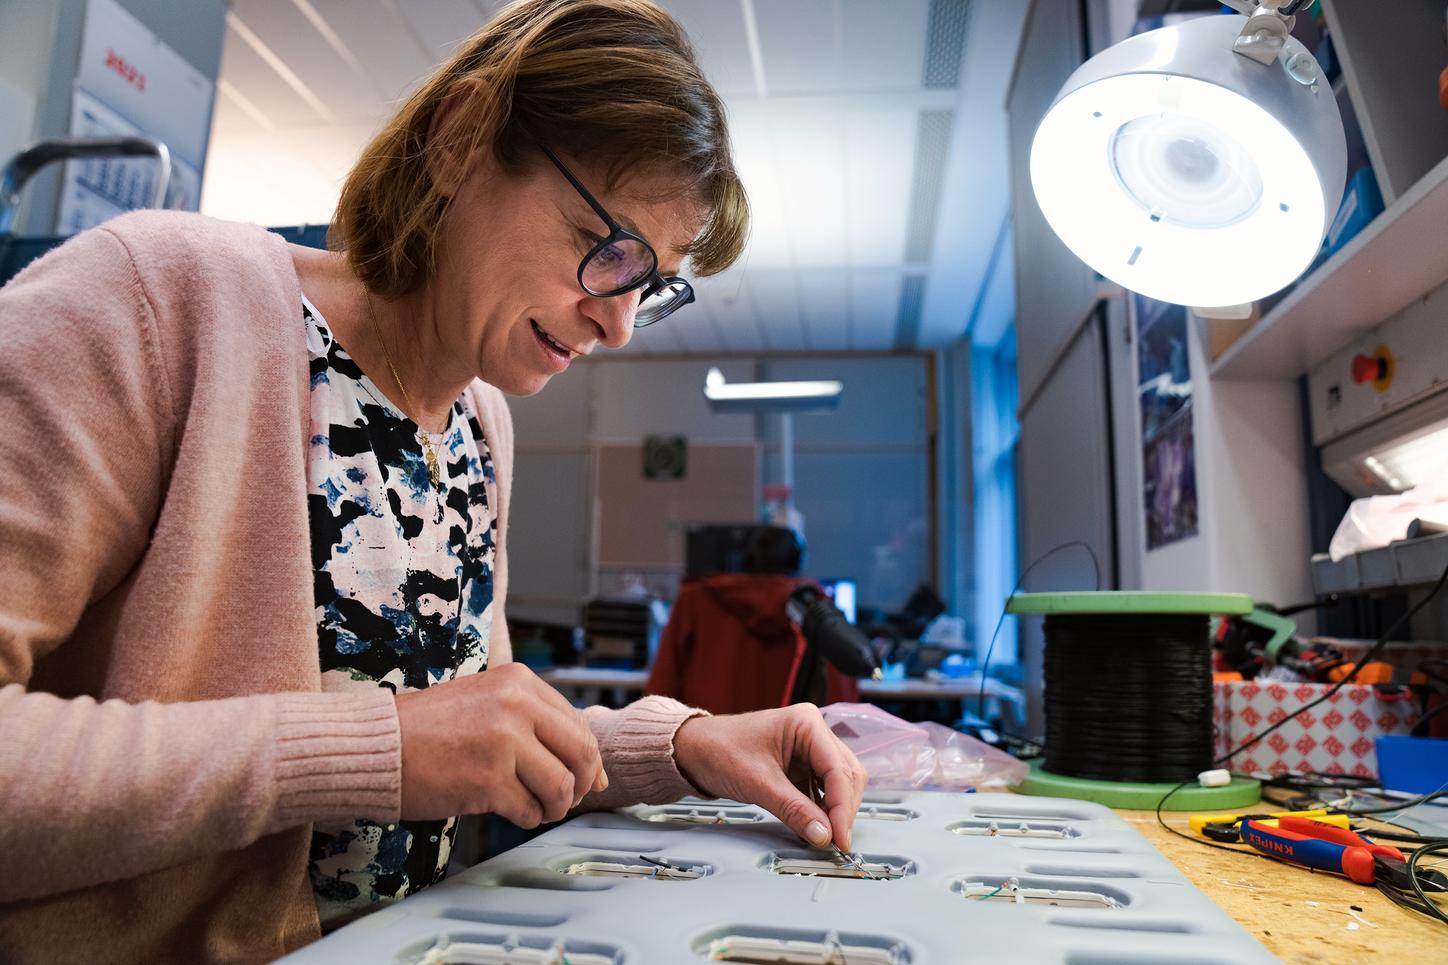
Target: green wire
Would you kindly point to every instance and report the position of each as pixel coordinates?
(992, 894)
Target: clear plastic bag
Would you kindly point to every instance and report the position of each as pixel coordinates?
(1376, 521)
(902, 756)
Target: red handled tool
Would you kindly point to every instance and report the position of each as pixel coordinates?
(1327, 848)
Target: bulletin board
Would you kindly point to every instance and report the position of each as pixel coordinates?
(641, 522)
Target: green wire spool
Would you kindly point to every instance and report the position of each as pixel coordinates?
(1241, 792)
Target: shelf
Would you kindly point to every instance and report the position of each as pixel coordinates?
(1413, 562)
(1397, 259)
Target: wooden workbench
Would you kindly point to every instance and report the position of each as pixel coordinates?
(1301, 916)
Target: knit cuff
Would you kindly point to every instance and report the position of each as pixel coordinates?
(637, 747)
(338, 756)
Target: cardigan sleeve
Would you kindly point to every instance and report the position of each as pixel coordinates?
(94, 791)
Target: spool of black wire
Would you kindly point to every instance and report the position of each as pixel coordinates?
(1128, 696)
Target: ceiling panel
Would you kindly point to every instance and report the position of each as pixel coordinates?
(717, 29)
(382, 41)
(874, 307)
(341, 86)
(810, 151)
(755, 157)
(824, 297)
(883, 44)
(775, 300)
(443, 24)
(800, 43)
(244, 69)
(879, 166)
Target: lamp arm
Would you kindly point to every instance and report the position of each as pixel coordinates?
(1248, 7)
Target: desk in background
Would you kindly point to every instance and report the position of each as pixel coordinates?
(588, 684)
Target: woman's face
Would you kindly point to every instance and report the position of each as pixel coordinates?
(506, 293)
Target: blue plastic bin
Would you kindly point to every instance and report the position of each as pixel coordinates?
(1417, 765)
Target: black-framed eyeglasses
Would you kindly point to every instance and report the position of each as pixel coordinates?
(623, 261)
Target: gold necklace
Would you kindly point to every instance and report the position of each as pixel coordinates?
(434, 470)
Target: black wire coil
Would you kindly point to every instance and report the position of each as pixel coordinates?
(1128, 696)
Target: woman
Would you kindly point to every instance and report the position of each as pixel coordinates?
(254, 514)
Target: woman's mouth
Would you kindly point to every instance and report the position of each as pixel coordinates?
(556, 352)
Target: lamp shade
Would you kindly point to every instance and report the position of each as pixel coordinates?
(1187, 172)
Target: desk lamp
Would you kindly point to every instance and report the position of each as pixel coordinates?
(1200, 163)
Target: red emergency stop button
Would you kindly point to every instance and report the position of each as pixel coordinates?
(1368, 368)
(1376, 368)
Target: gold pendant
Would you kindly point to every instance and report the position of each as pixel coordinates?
(430, 457)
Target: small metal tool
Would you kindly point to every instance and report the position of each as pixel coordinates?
(817, 795)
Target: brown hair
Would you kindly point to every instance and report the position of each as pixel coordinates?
(615, 81)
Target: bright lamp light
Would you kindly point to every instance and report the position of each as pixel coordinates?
(1199, 164)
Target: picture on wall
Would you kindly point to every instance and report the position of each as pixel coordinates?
(1168, 449)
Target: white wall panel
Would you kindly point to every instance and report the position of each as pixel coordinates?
(883, 403)
(866, 518)
(548, 535)
(559, 416)
(1053, 286)
(637, 399)
(1065, 489)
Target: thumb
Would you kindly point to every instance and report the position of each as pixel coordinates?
(799, 813)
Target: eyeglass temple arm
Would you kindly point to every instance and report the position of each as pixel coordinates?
(582, 191)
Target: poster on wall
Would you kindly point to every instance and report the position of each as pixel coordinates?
(130, 83)
(1168, 448)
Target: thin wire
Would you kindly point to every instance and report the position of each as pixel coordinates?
(1428, 716)
(1433, 847)
(1363, 662)
(985, 664)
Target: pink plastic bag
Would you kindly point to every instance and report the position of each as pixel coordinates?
(902, 756)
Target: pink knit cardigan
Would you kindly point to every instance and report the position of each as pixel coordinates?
(165, 745)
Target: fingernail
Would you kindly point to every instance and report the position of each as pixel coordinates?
(817, 834)
(849, 836)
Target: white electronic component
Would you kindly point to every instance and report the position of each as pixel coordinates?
(1217, 777)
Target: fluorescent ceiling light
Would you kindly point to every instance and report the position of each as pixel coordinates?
(1190, 166)
(1412, 461)
(717, 390)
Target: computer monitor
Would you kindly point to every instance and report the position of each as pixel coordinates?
(842, 594)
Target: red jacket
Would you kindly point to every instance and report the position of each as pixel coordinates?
(729, 648)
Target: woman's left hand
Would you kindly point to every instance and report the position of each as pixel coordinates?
(766, 757)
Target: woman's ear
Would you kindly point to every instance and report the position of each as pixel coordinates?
(450, 140)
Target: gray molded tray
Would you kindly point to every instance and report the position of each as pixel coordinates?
(522, 899)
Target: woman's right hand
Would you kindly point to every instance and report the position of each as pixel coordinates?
(500, 742)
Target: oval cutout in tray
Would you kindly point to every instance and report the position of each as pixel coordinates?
(822, 864)
(635, 867)
(1014, 828)
(762, 943)
(1010, 889)
(463, 948)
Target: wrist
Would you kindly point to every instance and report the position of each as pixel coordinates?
(687, 755)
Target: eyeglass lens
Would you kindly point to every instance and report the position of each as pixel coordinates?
(662, 301)
(618, 266)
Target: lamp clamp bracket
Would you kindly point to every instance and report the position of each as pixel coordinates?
(1266, 31)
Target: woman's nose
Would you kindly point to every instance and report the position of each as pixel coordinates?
(613, 317)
